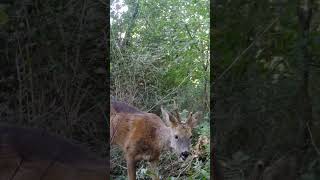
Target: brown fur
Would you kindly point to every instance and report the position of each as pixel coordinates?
(142, 136)
(28, 154)
(130, 136)
(122, 107)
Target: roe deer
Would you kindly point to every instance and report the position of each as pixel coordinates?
(31, 154)
(143, 136)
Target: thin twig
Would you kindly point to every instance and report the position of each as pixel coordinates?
(188, 165)
(312, 140)
(115, 128)
(17, 169)
(52, 162)
(173, 91)
(246, 50)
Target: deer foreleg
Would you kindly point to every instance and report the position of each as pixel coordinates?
(131, 165)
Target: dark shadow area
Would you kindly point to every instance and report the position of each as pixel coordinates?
(266, 89)
(53, 73)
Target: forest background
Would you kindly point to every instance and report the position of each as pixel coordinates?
(160, 56)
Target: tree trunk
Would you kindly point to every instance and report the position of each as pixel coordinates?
(304, 14)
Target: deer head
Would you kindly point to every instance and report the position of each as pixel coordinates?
(180, 132)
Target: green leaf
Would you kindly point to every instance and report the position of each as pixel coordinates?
(3, 17)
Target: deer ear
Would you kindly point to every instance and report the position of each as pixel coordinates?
(170, 120)
(193, 119)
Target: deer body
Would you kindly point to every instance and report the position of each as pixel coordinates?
(140, 144)
(31, 154)
(143, 136)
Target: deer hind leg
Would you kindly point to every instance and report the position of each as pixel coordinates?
(131, 165)
(154, 170)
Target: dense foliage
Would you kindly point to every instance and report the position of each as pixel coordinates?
(261, 55)
(52, 77)
(160, 55)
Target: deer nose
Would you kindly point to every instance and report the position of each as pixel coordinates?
(184, 155)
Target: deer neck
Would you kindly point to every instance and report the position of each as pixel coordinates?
(165, 137)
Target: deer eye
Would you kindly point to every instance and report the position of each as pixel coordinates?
(176, 136)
